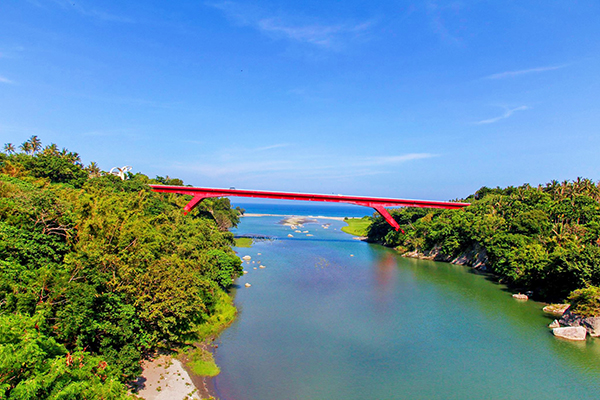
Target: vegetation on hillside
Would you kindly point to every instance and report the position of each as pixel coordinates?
(98, 272)
(545, 239)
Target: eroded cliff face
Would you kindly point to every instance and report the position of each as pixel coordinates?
(475, 256)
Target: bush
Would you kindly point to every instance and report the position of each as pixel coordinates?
(586, 302)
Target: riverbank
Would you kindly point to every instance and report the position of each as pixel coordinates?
(358, 227)
(188, 373)
(332, 318)
(165, 378)
(294, 216)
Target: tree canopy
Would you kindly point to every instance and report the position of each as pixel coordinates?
(97, 272)
(545, 239)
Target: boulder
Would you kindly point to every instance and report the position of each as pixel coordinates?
(556, 309)
(570, 332)
(590, 324)
(246, 258)
(554, 324)
(520, 296)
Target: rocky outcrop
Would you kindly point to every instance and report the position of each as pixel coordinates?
(556, 309)
(570, 332)
(475, 256)
(590, 324)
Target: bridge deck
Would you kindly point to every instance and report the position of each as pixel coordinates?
(378, 203)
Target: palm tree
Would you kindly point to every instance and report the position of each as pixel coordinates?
(36, 144)
(71, 157)
(93, 170)
(51, 150)
(26, 147)
(9, 148)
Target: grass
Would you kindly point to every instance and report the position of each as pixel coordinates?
(243, 242)
(224, 315)
(197, 358)
(202, 363)
(357, 226)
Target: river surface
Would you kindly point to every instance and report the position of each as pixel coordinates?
(331, 317)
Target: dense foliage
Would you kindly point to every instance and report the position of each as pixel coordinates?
(545, 239)
(96, 272)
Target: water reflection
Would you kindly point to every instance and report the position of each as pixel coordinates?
(334, 318)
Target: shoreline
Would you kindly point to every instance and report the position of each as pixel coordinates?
(165, 377)
(182, 382)
(294, 215)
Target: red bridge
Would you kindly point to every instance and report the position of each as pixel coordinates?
(377, 203)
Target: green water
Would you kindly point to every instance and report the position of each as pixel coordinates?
(318, 323)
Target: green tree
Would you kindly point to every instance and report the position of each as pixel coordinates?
(9, 148)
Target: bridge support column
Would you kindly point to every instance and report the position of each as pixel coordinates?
(193, 203)
(386, 215)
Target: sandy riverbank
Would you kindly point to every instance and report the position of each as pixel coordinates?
(294, 216)
(164, 378)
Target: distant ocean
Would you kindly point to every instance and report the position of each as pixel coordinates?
(306, 208)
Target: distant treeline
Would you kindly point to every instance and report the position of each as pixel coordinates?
(98, 272)
(545, 239)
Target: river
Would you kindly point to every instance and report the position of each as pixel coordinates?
(331, 317)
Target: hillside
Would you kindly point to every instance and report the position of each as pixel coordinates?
(96, 273)
(545, 239)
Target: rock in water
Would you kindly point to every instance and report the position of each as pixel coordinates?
(556, 309)
(246, 258)
(554, 324)
(247, 285)
(570, 332)
(590, 324)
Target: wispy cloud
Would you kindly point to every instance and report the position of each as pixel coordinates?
(512, 74)
(296, 166)
(507, 113)
(5, 80)
(294, 28)
(321, 35)
(441, 16)
(386, 160)
(270, 147)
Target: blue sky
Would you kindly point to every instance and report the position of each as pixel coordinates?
(427, 99)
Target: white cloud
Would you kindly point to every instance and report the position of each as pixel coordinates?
(511, 74)
(443, 17)
(298, 165)
(507, 113)
(385, 160)
(295, 28)
(270, 147)
(5, 80)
